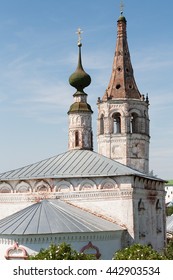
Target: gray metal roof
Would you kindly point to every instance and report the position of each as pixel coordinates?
(169, 224)
(48, 217)
(75, 163)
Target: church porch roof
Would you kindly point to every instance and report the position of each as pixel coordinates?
(52, 217)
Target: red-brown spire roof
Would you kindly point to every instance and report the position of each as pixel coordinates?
(122, 83)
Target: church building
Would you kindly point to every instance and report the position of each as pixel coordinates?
(98, 202)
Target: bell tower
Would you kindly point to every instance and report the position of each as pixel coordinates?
(123, 120)
(80, 134)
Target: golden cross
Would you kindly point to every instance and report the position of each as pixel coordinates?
(121, 7)
(79, 32)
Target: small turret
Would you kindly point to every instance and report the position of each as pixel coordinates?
(80, 127)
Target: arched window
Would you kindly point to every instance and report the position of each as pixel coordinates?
(91, 140)
(134, 123)
(116, 123)
(141, 219)
(102, 124)
(76, 138)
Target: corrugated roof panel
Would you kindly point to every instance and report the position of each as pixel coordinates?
(43, 222)
(62, 164)
(58, 223)
(81, 163)
(33, 223)
(38, 169)
(27, 220)
(18, 221)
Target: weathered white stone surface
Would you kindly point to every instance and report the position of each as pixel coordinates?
(7, 209)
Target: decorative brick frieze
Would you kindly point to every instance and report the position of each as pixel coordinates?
(58, 238)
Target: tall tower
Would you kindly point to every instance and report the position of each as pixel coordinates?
(80, 112)
(123, 121)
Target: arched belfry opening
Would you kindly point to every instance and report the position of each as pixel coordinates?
(134, 123)
(116, 123)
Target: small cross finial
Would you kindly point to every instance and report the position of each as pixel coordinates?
(121, 7)
(79, 32)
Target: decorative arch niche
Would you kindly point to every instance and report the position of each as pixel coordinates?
(16, 252)
(91, 249)
(5, 188)
(63, 186)
(87, 185)
(42, 187)
(108, 184)
(23, 187)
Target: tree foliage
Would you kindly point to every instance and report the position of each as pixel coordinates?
(169, 250)
(138, 252)
(62, 251)
(169, 211)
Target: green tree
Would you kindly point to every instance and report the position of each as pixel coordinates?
(169, 250)
(138, 252)
(169, 211)
(62, 251)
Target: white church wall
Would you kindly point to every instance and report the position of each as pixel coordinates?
(115, 198)
(149, 216)
(104, 243)
(7, 209)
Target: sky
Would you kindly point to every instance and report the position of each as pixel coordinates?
(38, 53)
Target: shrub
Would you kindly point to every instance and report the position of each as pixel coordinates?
(138, 252)
(62, 251)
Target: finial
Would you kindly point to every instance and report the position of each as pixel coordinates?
(79, 32)
(147, 99)
(121, 7)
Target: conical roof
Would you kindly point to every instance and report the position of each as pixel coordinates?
(49, 217)
(122, 82)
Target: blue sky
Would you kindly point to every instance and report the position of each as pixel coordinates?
(38, 53)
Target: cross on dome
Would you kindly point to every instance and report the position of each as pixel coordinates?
(79, 32)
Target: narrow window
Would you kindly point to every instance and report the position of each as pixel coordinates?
(158, 217)
(76, 138)
(141, 219)
(102, 124)
(91, 141)
(117, 123)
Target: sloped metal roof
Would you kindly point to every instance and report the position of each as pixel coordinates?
(169, 224)
(75, 163)
(48, 217)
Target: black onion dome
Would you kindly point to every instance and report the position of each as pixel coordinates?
(80, 79)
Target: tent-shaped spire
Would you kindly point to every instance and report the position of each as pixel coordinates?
(122, 82)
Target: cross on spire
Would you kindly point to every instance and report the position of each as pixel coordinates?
(121, 7)
(79, 32)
